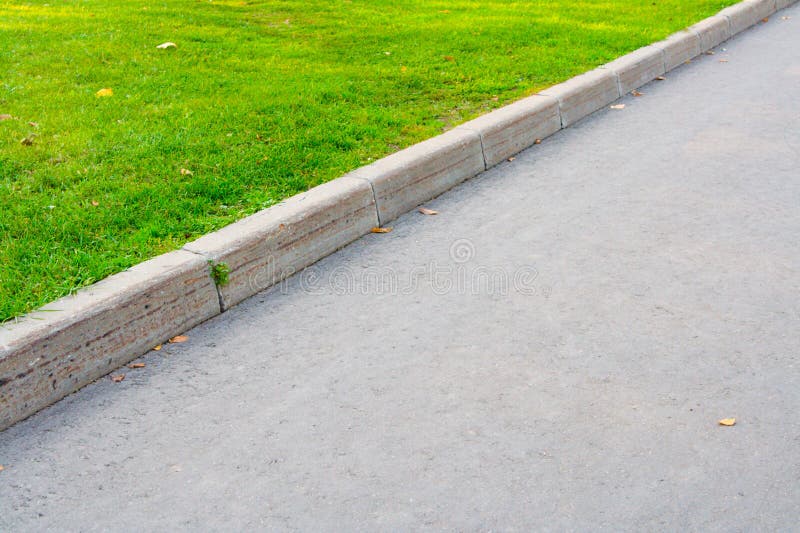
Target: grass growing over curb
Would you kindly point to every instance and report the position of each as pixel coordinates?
(260, 100)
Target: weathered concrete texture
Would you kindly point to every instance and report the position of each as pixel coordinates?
(75, 340)
(382, 391)
(407, 178)
(273, 244)
(679, 48)
(510, 129)
(583, 95)
(637, 68)
(712, 31)
(781, 4)
(747, 13)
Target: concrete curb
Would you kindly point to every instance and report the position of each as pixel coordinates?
(67, 344)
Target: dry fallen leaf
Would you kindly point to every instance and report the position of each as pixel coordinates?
(537, 141)
(136, 365)
(636, 93)
(117, 378)
(723, 60)
(95, 203)
(510, 159)
(381, 230)
(186, 172)
(765, 19)
(104, 92)
(5, 117)
(660, 78)
(727, 422)
(449, 58)
(710, 52)
(2, 468)
(166, 45)
(157, 348)
(178, 339)
(618, 106)
(426, 211)
(27, 141)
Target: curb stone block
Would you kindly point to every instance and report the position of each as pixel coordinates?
(406, 179)
(712, 31)
(679, 48)
(637, 68)
(515, 127)
(745, 14)
(267, 247)
(584, 94)
(73, 341)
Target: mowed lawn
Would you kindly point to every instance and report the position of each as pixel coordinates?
(260, 100)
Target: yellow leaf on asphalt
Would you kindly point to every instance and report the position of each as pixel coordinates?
(157, 348)
(381, 230)
(104, 92)
(727, 422)
(426, 211)
(178, 339)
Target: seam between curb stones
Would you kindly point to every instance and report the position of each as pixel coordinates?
(121, 355)
(216, 287)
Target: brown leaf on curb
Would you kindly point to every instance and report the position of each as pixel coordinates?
(537, 141)
(636, 93)
(178, 339)
(426, 211)
(618, 106)
(381, 230)
(660, 78)
(727, 422)
(136, 365)
(510, 159)
(117, 378)
(765, 19)
(157, 348)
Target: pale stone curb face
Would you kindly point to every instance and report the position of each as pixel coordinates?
(77, 339)
(69, 343)
(747, 13)
(271, 245)
(679, 48)
(712, 31)
(637, 68)
(412, 176)
(513, 128)
(584, 94)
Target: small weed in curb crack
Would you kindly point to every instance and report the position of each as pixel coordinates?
(219, 273)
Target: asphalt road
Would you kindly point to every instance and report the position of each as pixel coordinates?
(553, 350)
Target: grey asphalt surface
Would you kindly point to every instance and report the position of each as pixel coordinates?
(552, 351)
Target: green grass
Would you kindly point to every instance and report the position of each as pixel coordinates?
(260, 100)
